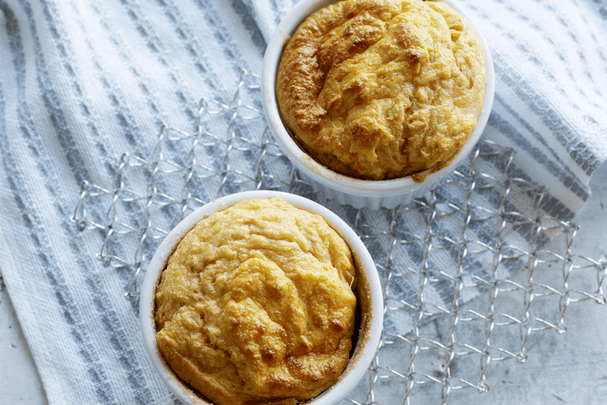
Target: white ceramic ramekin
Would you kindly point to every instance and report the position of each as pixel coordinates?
(369, 296)
(348, 190)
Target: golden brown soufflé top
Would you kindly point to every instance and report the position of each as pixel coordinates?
(380, 89)
(257, 304)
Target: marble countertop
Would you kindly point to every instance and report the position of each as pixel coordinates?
(561, 369)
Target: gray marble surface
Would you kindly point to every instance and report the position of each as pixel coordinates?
(569, 368)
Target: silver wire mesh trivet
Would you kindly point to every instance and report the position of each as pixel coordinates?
(466, 271)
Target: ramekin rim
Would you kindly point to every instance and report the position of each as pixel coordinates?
(147, 298)
(318, 172)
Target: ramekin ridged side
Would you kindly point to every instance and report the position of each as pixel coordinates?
(348, 190)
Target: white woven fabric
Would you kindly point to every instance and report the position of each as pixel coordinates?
(81, 82)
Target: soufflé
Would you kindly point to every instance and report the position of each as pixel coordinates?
(257, 304)
(381, 89)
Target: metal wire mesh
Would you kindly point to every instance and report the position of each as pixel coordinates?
(475, 258)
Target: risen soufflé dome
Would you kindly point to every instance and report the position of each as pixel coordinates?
(381, 89)
(257, 304)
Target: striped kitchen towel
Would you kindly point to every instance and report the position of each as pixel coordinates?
(81, 82)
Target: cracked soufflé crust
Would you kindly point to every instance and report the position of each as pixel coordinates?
(381, 89)
(257, 304)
